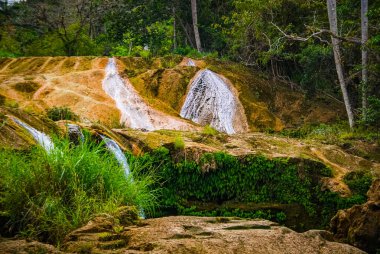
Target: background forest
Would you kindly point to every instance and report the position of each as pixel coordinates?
(288, 40)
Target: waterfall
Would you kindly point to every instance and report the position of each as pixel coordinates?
(114, 148)
(42, 139)
(133, 109)
(135, 113)
(210, 101)
(190, 62)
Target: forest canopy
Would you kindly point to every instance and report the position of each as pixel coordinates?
(292, 41)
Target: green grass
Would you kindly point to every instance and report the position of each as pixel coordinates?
(61, 113)
(45, 196)
(333, 133)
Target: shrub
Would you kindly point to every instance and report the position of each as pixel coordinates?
(45, 196)
(2, 100)
(61, 113)
(359, 182)
(179, 144)
(27, 87)
(209, 131)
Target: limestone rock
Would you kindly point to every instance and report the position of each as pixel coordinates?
(12, 246)
(360, 224)
(181, 234)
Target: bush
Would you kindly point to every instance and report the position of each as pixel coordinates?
(61, 113)
(359, 182)
(219, 177)
(209, 131)
(45, 196)
(179, 144)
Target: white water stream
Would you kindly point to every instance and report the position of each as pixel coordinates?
(210, 101)
(133, 110)
(42, 139)
(135, 113)
(114, 148)
(190, 62)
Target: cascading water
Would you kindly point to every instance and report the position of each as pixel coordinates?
(210, 101)
(190, 62)
(133, 109)
(135, 113)
(43, 139)
(114, 148)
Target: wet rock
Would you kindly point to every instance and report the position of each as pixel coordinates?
(360, 224)
(75, 133)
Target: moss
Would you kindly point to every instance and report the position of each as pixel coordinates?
(27, 87)
(2, 100)
(35, 64)
(68, 64)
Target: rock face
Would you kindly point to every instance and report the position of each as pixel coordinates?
(197, 235)
(12, 246)
(360, 225)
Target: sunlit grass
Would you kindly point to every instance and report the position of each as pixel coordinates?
(45, 196)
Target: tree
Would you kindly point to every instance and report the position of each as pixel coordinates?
(333, 21)
(364, 30)
(67, 19)
(194, 14)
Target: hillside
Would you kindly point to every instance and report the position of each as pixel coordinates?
(229, 157)
(36, 84)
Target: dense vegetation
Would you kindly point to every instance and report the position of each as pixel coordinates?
(219, 177)
(45, 196)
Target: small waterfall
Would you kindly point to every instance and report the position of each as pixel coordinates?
(190, 62)
(114, 148)
(210, 101)
(42, 139)
(135, 113)
(133, 109)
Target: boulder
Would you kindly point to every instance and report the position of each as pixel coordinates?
(360, 224)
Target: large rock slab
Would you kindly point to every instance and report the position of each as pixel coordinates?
(360, 225)
(181, 234)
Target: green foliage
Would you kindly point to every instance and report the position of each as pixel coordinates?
(45, 196)
(61, 113)
(179, 144)
(209, 131)
(337, 133)
(373, 113)
(219, 177)
(358, 182)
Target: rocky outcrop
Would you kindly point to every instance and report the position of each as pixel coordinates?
(13, 246)
(360, 225)
(199, 235)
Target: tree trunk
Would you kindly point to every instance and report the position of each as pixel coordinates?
(331, 9)
(194, 14)
(174, 30)
(364, 28)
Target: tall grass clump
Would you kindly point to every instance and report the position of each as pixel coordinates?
(45, 196)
